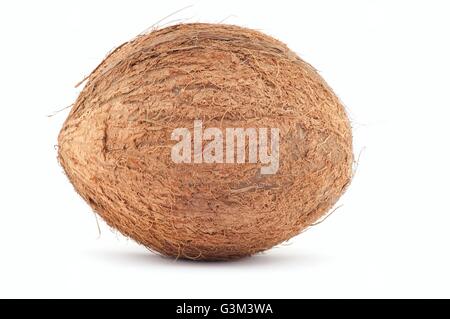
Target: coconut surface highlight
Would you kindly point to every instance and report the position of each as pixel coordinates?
(115, 145)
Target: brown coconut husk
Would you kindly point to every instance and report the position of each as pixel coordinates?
(115, 145)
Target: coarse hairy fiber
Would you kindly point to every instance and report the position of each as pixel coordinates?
(115, 145)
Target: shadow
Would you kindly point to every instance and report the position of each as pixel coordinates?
(270, 259)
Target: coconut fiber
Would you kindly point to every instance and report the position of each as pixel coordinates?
(115, 145)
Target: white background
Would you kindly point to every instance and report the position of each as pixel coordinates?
(389, 61)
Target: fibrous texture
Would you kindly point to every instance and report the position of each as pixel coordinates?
(115, 145)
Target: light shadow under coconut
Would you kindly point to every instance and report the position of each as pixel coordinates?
(146, 259)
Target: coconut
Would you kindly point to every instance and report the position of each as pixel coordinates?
(117, 143)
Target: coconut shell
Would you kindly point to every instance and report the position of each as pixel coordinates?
(115, 145)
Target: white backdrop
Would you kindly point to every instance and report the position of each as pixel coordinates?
(387, 60)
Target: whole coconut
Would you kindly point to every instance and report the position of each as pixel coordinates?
(115, 145)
